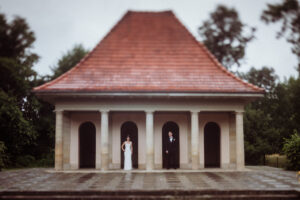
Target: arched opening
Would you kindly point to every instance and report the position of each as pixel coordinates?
(212, 145)
(174, 128)
(130, 128)
(87, 145)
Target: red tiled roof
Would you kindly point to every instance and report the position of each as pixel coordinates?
(149, 52)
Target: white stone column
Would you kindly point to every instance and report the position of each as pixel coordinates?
(149, 141)
(240, 154)
(59, 140)
(98, 145)
(104, 139)
(201, 148)
(195, 139)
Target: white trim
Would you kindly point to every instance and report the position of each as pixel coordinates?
(152, 94)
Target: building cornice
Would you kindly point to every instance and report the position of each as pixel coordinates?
(150, 94)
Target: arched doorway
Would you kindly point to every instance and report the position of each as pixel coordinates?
(130, 128)
(87, 145)
(174, 128)
(212, 145)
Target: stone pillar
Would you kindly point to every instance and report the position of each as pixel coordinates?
(59, 140)
(195, 139)
(98, 146)
(201, 149)
(104, 140)
(240, 154)
(149, 141)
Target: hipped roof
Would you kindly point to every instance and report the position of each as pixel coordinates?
(149, 52)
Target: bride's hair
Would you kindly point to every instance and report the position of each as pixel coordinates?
(127, 137)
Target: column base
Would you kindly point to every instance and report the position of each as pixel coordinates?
(149, 162)
(98, 165)
(225, 165)
(104, 161)
(74, 166)
(58, 161)
(240, 167)
(195, 164)
(201, 166)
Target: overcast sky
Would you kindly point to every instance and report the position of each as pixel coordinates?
(59, 24)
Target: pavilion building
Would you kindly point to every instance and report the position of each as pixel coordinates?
(148, 76)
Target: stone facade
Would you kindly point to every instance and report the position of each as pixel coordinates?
(149, 114)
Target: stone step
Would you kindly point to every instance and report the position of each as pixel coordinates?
(203, 194)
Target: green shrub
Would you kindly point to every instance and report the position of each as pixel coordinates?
(25, 161)
(2, 155)
(291, 148)
(46, 161)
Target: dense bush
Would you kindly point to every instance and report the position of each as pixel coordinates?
(2, 155)
(24, 161)
(46, 160)
(291, 148)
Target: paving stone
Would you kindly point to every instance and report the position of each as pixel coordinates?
(39, 179)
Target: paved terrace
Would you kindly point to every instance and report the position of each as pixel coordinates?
(254, 178)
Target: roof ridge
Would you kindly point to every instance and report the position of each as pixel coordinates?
(214, 59)
(85, 57)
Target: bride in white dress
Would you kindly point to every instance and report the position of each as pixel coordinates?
(127, 153)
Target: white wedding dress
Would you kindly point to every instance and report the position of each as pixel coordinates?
(127, 156)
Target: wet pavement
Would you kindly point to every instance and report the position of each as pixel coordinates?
(255, 178)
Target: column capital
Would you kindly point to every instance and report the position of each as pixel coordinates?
(195, 111)
(241, 112)
(58, 110)
(149, 111)
(104, 110)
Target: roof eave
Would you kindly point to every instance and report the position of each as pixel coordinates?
(153, 94)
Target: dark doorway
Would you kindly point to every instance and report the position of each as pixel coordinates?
(173, 127)
(130, 128)
(87, 145)
(212, 145)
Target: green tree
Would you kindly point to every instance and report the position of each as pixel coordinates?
(288, 13)
(292, 150)
(16, 40)
(16, 74)
(293, 87)
(17, 133)
(271, 119)
(45, 119)
(224, 35)
(69, 60)
(264, 78)
(2, 155)
(261, 137)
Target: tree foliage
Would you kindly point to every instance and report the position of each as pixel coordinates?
(2, 155)
(69, 60)
(288, 13)
(264, 78)
(16, 75)
(260, 136)
(27, 123)
(224, 35)
(271, 119)
(292, 150)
